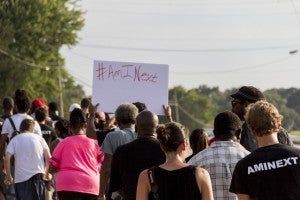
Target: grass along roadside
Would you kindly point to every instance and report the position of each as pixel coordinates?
(296, 133)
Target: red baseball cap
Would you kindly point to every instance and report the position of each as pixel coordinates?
(39, 103)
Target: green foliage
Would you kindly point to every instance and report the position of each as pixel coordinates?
(291, 119)
(31, 33)
(297, 133)
(293, 97)
(196, 108)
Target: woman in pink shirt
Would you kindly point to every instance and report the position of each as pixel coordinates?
(77, 159)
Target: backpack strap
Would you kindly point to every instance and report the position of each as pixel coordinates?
(12, 123)
(16, 132)
(153, 184)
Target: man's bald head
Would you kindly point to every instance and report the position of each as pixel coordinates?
(146, 123)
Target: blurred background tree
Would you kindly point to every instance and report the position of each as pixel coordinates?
(32, 32)
(196, 108)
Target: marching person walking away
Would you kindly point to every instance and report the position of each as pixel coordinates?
(198, 142)
(126, 117)
(7, 109)
(130, 159)
(61, 129)
(220, 158)
(31, 154)
(11, 126)
(271, 172)
(77, 159)
(53, 112)
(174, 179)
(47, 131)
(242, 99)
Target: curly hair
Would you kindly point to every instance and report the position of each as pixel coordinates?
(126, 113)
(263, 118)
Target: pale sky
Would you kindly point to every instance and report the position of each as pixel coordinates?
(224, 43)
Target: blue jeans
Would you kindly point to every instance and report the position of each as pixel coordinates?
(32, 189)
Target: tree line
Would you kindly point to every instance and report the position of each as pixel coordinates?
(32, 33)
(197, 107)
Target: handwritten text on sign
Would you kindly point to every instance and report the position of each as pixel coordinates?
(115, 83)
(126, 71)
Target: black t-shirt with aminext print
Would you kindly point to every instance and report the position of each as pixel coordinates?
(269, 173)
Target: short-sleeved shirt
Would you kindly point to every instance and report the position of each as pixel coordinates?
(77, 159)
(48, 133)
(117, 138)
(130, 160)
(219, 160)
(249, 141)
(101, 134)
(269, 173)
(28, 150)
(17, 119)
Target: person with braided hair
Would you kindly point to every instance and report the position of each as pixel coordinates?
(174, 179)
(77, 159)
(11, 126)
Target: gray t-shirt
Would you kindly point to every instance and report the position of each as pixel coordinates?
(117, 138)
(249, 141)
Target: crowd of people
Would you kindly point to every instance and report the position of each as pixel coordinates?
(131, 155)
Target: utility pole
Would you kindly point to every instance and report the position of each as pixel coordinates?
(58, 66)
(60, 92)
(176, 106)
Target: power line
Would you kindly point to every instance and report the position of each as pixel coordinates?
(113, 11)
(80, 79)
(82, 82)
(186, 3)
(280, 60)
(238, 69)
(31, 64)
(24, 61)
(189, 115)
(246, 49)
(186, 39)
(295, 10)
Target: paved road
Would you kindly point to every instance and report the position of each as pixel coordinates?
(296, 140)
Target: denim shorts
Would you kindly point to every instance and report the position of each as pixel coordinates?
(32, 189)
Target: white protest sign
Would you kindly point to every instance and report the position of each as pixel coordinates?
(115, 83)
